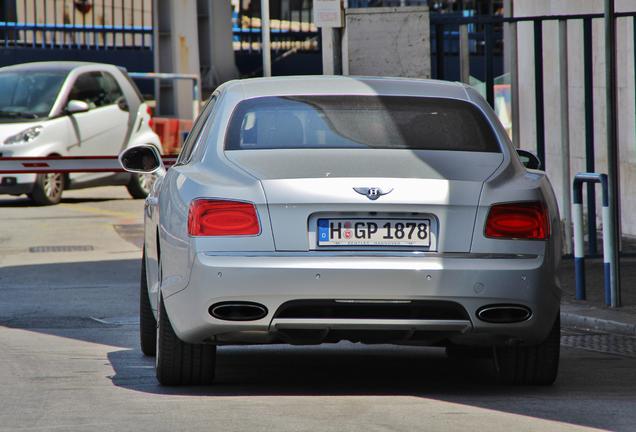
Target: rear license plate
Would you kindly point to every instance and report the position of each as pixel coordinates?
(374, 232)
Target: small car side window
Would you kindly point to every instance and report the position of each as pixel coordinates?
(87, 88)
(193, 136)
(111, 88)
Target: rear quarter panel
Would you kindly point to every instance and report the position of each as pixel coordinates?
(514, 183)
(186, 183)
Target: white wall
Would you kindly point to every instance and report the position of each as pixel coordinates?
(387, 42)
(626, 94)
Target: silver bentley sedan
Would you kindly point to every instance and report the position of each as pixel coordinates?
(309, 210)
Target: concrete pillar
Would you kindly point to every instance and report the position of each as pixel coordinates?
(331, 51)
(215, 44)
(464, 55)
(176, 51)
(266, 49)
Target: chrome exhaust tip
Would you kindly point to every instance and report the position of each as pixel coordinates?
(504, 314)
(238, 311)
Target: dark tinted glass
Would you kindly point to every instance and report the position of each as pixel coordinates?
(88, 88)
(97, 89)
(387, 122)
(113, 91)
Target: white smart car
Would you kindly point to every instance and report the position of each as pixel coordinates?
(307, 210)
(70, 109)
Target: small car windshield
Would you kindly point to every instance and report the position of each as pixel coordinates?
(347, 121)
(29, 95)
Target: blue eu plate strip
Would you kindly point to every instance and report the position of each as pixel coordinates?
(323, 230)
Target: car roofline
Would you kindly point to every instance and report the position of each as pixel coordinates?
(344, 85)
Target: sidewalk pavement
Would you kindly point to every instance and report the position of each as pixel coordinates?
(592, 314)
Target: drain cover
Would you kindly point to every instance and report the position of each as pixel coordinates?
(81, 248)
(601, 342)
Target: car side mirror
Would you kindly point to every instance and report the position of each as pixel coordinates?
(77, 106)
(142, 159)
(529, 160)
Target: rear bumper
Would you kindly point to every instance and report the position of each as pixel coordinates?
(470, 280)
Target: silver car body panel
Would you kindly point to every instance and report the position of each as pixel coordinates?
(272, 280)
(292, 188)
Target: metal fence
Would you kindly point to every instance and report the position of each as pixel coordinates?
(386, 3)
(485, 35)
(76, 24)
(445, 6)
(291, 23)
(445, 35)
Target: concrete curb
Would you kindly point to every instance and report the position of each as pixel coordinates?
(585, 322)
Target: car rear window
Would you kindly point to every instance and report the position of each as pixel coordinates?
(383, 122)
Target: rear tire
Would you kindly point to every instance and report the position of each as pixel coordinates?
(180, 363)
(530, 365)
(140, 185)
(47, 189)
(147, 321)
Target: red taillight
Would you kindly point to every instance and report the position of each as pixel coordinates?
(524, 220)
(222, 218)
(151, 123)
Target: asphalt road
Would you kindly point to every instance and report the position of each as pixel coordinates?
(69, 359)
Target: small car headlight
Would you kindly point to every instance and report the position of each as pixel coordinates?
(26, 136)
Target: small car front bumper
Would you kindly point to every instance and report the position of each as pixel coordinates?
(470, 280)
(16, 184)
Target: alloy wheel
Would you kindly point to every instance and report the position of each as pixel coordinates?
(53, 183)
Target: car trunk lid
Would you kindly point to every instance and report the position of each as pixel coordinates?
(302, 186)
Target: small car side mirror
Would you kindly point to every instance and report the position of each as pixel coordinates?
(529, 160)
(142, 159)
(77, 106)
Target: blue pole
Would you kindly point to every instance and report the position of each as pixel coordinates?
(579, 252)
(608, 243)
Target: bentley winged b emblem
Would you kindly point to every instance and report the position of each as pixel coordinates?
(373, 193)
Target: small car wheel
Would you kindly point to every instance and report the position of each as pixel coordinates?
(147, 321)
(48, 188)
(140, 185)
(530, 365)
(178, 362)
